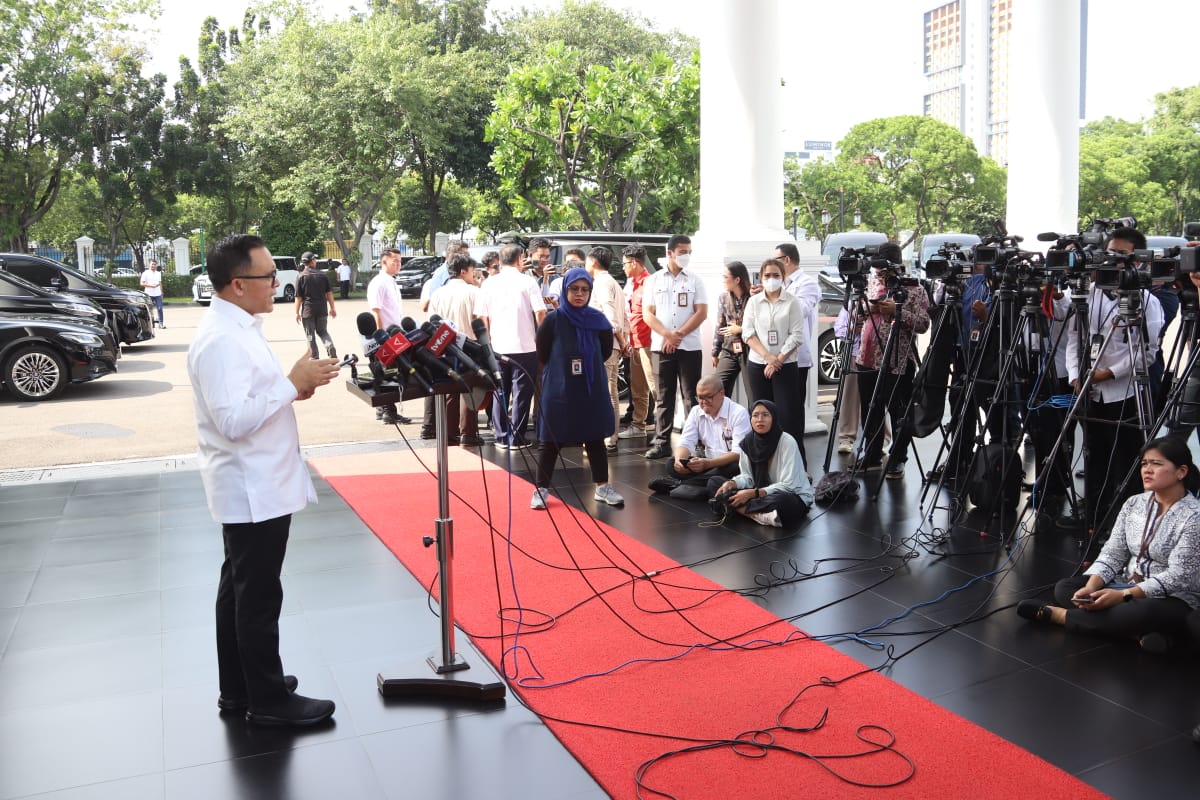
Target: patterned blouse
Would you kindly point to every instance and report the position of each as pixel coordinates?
(1160, 554)
(914, 319)
(729, 312)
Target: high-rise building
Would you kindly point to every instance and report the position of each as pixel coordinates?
(966, 69)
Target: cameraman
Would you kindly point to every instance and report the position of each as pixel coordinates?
(1112, 436)
(892, 311)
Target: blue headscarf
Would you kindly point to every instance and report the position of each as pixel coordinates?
(586, 320)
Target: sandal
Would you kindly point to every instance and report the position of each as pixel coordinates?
(1033, 610)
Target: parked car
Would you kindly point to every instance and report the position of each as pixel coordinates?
(130, 312)
(40, 355)
(202, 290)
(562, 241)
(415, 272)
(19, 296)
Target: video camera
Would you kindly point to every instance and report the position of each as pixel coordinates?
(948, 263)
(852, 262)
(1134, 271)
(1083, 250)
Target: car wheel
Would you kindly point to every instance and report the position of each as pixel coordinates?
(829, 358)
(35, 372)
(623, 380)
(289, 293)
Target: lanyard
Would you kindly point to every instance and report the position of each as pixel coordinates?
(1149, 531)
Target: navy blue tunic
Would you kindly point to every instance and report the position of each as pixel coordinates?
(572, 410)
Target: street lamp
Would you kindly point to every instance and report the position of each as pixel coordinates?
(841, 197)
(795, 214)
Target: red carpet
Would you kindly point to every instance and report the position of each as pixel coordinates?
(703, 695)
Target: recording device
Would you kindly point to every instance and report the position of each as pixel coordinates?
(395, 351)
(428, 354)
(483, 340)
(1083, 600)
(1133, 271)
(1079, 251)
(859, 261)
(949, 262)
(444, 338)
(1191, 232)
(349, 360)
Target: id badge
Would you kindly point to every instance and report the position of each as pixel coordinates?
(772, 338)
(576, 366)
(737, 348)
(681, 300)
(1097, 341)
(975, 335)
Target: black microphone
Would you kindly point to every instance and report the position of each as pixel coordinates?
(433, 363)
(484, 340)
(440, 331)
(1049, 236)
(366, 324)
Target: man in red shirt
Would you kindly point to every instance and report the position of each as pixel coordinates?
(633, 260)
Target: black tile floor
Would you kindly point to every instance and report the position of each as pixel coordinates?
(107, 664)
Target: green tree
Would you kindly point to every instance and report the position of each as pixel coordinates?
(289, 231)
(411, 212)
(1173, 153)
(592, 140)
(46, 52)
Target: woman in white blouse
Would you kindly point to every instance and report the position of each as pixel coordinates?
(773, 330)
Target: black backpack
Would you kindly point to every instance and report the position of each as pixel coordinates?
(995, 478)
(836, 487)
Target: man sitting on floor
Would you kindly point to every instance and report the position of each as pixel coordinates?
(710, 444)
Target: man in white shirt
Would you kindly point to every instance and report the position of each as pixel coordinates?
(609, 300)
(1111, 435)
(383, 298)
(152, 286)
(715, 426)
(510, 303)
(674, 305)
(254, 477)
(455, 303)
(807, 290)
(344, 278)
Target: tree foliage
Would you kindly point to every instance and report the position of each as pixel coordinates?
(289, 231)
(409, 210)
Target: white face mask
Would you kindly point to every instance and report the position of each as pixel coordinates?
(683, 259)
(772, 284)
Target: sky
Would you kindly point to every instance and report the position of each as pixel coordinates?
(848, 61)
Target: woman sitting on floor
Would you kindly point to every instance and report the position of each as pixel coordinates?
(1146, 580)
(771, 488)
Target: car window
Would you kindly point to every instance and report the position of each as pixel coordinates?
(14, 285)
(33, 271)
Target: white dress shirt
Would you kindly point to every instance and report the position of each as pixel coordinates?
(384, 294)
(672, 299)
(509, 300)
(152, 282)
(609, 300)
(807, 290)
(249, 445)
(455, 302)
(784, 317)
(720, 434)
(1102, 312)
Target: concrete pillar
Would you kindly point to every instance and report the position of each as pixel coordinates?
(366, 252)
(1043, 114)
(183, 255)
(741, 150)
(85, 254)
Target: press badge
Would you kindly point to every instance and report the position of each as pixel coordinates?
(975, 334)
(682, 300)
(737, 348)
(1097, 341)
(772, 338)
(576, 366)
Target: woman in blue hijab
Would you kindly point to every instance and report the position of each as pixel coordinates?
(573, 343)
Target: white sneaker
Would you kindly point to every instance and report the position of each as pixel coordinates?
(632, 432)
(607, 494)
(767, 518)
(845, 446)
(538, 501)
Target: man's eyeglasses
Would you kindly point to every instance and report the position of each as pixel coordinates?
(270, 276)
(704, 398)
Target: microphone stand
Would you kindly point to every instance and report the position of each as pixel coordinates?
(451, 675)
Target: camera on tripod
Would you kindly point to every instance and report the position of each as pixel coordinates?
(948, 263)
(858, 261)
(1133, 271)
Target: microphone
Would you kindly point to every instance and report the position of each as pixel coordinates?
(427, 358)
(442, 339)
(366, 324)
(1049, 236)
(394, 349)
(484, 341)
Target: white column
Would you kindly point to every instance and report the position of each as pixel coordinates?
(183, 255)
(366, 251)
(741, 150)
(85, 251)
(1043, 114)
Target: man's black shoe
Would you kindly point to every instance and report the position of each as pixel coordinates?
(389, 418)
(403, 420)
(471, 440)
(240, 703)
(663, 484)
(859, 466)
(428, 434)
(297, 711)
(894, 471)
(658, 451)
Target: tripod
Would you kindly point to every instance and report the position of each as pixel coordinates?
(853, 304)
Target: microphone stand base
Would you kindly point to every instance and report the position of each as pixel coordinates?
(444, 681)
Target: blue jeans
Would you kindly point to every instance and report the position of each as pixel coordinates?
(158, 304)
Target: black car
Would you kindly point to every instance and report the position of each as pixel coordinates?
(19, 296)
(39, 355)
(130, 312)
(412, 275)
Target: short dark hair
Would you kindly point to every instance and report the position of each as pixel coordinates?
(458, 263)
(892, 252)
(739, 272)
(678, 239)
(390, 251)
(455, 246)
(602, 256)
(229, 256)
(490, 257)
(539, 243)
(789, 251)
(510, 254)
(634, 251)
(1131, 235)
(576, 253)
(1176, 451)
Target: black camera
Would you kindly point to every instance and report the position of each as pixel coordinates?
(852, 261)
(948, 263)
(1133, 271)
(1188, 257)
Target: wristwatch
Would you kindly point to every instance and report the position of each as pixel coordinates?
(1128, 595)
